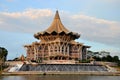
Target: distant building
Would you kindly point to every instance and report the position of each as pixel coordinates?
(97, 54)
(104, 53)
(56, 43)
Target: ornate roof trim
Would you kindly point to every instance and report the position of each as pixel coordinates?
(56, 27)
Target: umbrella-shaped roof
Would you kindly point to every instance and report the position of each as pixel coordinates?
(56, 27)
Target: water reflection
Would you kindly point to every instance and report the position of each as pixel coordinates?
(59, 77)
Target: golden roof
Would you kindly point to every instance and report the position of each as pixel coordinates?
(56, 27)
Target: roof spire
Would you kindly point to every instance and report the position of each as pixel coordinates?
(57, 15)
(56, 26)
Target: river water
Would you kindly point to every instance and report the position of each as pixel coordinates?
(58, 77)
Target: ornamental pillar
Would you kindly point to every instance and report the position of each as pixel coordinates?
(68, 50)
(49, 50)
(60, 49)
(35, 52)
(64, 49)
(81, 53)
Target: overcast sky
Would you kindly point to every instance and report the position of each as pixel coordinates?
(98, 22)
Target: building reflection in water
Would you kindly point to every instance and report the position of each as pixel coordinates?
(59, 77)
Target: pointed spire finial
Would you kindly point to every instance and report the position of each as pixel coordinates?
(57, 15)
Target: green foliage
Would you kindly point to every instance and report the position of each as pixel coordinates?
(104, 59)
(115, 59)
(118, 63)
(97, 58)
(16, 59)
(3, 57)
(108, 58)
(3, 53)
(90, 51)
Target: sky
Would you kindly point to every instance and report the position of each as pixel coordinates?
(97, 21)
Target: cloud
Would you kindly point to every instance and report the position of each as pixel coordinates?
(29, 20)
(97, 30)
(90, 28)
(30, 13)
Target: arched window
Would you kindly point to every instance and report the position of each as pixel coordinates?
(75, 48)
(40, 48)
(55, 48)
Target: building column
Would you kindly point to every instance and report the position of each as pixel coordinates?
(57, 49)
(64, 49)
(60, 49)
(28, 52)
(49, 50)
(31, 52)
(68, 50)
(80, 52)
(85, 52)
(54, 48)
(35, 52)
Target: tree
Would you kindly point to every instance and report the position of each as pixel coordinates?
(3, 57)
(104, 59)
(115, 59)
(109, 58)
(3, 53)
(97, 58)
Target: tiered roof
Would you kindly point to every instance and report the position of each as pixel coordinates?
(56, 28)
(57, 25)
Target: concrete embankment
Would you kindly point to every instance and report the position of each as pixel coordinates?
(62, 73)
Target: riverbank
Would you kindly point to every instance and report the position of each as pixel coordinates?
(62, 73)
